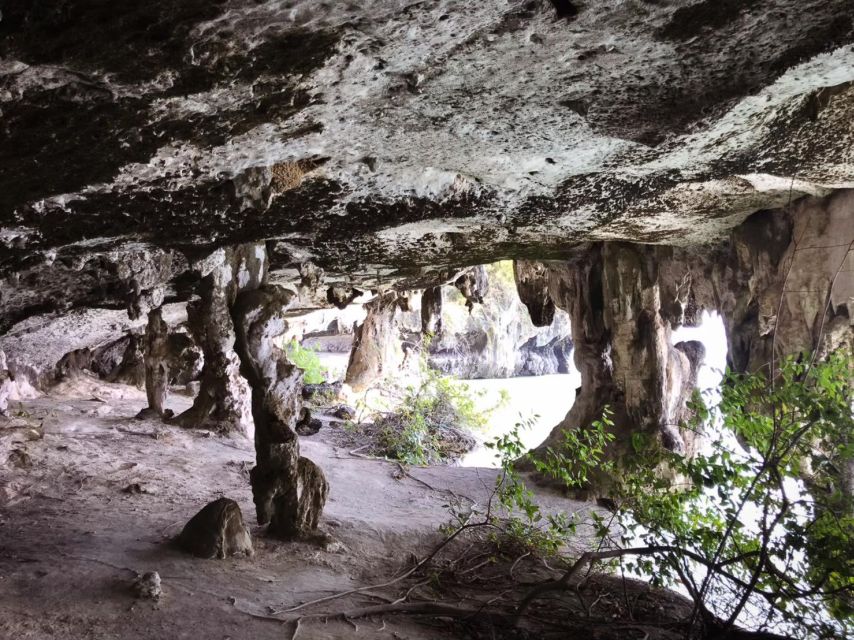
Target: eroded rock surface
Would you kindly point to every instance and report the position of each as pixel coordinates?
(779, 282)
(374, 343)
(156, 363)
(390, 136)
(222, 403)
(390, 144)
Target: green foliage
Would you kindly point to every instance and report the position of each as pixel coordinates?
(307, 360)
(741, 505)
(525, 523)
(432, 421)
(769, 521)
(502, 272)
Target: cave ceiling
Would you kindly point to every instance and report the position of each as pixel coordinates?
(381, 138)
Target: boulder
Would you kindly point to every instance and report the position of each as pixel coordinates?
(217, 531)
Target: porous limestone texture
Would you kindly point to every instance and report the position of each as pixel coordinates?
(379, 138)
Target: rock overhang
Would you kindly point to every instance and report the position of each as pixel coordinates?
(411, 134)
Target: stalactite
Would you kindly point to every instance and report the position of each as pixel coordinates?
(431, 311)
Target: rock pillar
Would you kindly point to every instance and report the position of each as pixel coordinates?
(223, 400)
(156, 360)
(374, 342)
(289, 491)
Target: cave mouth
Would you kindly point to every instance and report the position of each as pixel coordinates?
(504, 370)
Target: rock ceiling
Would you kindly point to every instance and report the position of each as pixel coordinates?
(384, 137)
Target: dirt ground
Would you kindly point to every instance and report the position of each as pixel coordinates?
(90, 497)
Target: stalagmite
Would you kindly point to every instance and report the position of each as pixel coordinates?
(156, 365)
(289, 491)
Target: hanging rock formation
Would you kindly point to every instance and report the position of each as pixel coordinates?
(289, 490)
(474, 285)
(341, 296)
(375, 342)
(532, 283)
(346, 143)
(431, 311)
(499, 340)
(624, 300)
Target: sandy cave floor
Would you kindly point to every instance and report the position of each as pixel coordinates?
(71, 540)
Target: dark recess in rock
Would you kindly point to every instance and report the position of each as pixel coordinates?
(565, 8)
(341, 296)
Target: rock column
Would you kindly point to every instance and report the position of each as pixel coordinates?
(223, 400)
(374, 342)
(623, 350)
(289, 491)
(156, 364)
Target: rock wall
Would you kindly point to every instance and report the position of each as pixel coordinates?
(384, 138)
(36, 348)
(782, 282)
(496, 338)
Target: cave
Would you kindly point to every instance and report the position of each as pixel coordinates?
(372, 319)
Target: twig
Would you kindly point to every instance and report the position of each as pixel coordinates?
(415, 568)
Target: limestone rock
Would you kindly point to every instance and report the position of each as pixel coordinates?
(373, 343)
(7, 385)
(431, 311)
(222, 403)
(376, 167)
(342, 296)
(532, 283)
(289, 491)
(148, 586)
(217, 531)
(331, 389)
(156, 361)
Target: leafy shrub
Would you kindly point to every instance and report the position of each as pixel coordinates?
(790, 562)
(308, 361)
(432, 422)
